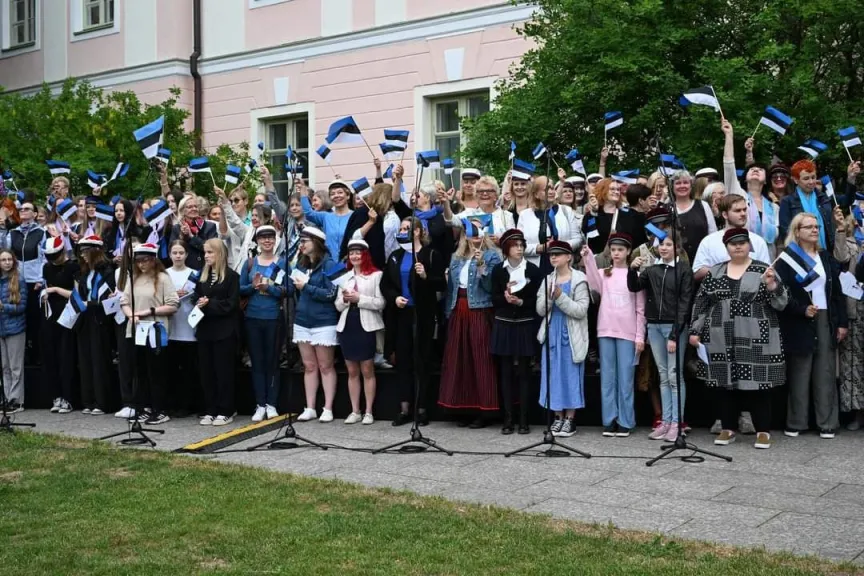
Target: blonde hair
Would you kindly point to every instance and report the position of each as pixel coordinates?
(465, 250)
(218, 246)
(491, 182)
(380, 199)
(795, 225)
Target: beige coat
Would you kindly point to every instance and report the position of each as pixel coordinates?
(371, 303)
(574, 305)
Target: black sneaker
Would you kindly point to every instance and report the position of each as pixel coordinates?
(556, 426)
(157, 419)
(609, 431)
(622, 432)
(144, 416)
(568, 429)
(423, 418)
(523, 429)
(401, 418)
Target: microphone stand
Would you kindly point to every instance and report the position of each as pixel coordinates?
(286, 436)
(548, 438)
(134, 423)
(681, 442)
(6, 424)
(416, 437)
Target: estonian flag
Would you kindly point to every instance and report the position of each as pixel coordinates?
(801, 263)
(388, 174)
(522, 170)
(361, 187)
(164, 155)
(149, 137)
(848, 135)
(776, 120)
(120, 171)
(593, 232)
(105, 212)
(703, 95)
(396, 138)
(813, 147)
(201, 164)
(483, 222)
(157, 212)
(232, 174)
(659, 234)
(344, 130)
(539, 151)
(613, 120)
(429, 159)
(471, 228)
(827, 185)
(77, 303)
(58, 167)
(324, 152)
(448, 166)
(626, 176)
(390, 151)
(512, 151)
(66, 209)
(575, 160)
(250, 166)
(95, 180)
(669, 164)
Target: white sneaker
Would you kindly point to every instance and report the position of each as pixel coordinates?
(206, 421)
(65, 407)
(125, 413)
(307, 415)
(368, 419)
(259, 415)
(96, 412)
(326, 416)
(222, 420)
(55, 406)
(271, 411)
(352, 418)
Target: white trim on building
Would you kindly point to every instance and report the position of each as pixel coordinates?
(77, 33)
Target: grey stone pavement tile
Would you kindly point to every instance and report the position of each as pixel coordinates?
(805, 495)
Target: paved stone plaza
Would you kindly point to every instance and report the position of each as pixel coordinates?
(805, 495)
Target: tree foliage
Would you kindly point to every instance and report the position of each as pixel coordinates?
(92, 129)
(637, 56)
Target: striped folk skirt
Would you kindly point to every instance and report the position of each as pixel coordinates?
(468, 375)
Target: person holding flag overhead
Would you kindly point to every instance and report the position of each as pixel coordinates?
(194, 231)
(813, 323)
(735, 320)
(156, 301)
(263, 281)
(331, 223)
(469, 381)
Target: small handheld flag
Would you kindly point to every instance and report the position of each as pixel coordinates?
(704, 96)
(397, 139)
(66, 209)
(522, 170)
(626, 176)
(539, 151)
(105, 212)
(232, 174)
(201, 164)
(471, 228)
(576, 161)
(669, 164)
(250, 166)
(592, 230)
(613, 120)
(774, 119)
(344, 130)
(813, 147)
(448, 166)
(157, 212)
(361, 187)
(324, 152)
(801, 263)
(120, 171)
(659, 234)
(827, 185)
(149, 137)
(850, 138)
(429, 159)
(95, 180)
(390, 151)
(58, 167)
(164, 155)
(512, 151)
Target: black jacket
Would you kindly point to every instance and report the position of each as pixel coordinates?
(423, 291)
(663, 304)
(799, 332)
(790, 206)
(374, 237)
(440, 235)
(195, 244)
(528, 294)
(221, 313)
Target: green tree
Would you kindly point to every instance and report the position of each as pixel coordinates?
(638, 56)
(92, 129)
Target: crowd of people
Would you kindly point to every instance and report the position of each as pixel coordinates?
(604, 274)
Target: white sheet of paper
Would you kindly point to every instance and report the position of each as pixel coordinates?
(280, 277)
(68, 317)
(119, 317)
(850, 287)
(188, 286)
(517, 279)
(702, 353)
(343, 280)
(298, 275)
(142, 329)
(195, 317)
(111, 305)
(43, 298)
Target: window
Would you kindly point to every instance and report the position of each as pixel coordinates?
(279, 134)
(22, 22)
(447, 115)
(98, 13)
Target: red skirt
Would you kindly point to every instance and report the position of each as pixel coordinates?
(468, 375)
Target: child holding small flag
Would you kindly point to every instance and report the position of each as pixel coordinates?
(813, 324)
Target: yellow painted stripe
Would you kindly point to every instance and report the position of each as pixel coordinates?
(235, 432)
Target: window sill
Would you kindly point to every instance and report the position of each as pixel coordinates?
(18, 47)
(95, 32)
(92, 29)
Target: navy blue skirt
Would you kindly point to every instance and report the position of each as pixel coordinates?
(514, 338)
(357, 344)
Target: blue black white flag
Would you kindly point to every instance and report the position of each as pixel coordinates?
(522, 170)
(157, 212)
(361, 187)
(396, 138)
(390, 151)
(813, 147)
(576, 161)
(120, 171)
(626, 176)
(149, 137)
(232, 174)
(512, 151)
(448, 166)
(324, 152)
(613, 120)
(344, 130)
(776, 120)
(801, 263)
(201, 164)
(66, 209)
(95, 180)
(105, 212)
(164, 155)
(539, 151)
(58, 167)
(429, 159)
(703, 95)
(849, 136)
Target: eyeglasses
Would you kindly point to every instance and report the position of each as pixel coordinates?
(25, 209)
(779, 177)
(236, 200)
(486, 191)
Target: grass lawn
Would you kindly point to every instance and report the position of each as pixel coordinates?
(75, 507)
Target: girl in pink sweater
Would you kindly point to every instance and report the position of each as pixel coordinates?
(621, 334)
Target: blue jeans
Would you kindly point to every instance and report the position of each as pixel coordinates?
(616, 381)
(263, 350)
(658, 336)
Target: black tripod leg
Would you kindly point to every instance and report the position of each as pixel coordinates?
(524, 449)
(572, 450)
(690, 448)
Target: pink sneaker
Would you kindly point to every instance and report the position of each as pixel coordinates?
(659, 431)
(672, 432)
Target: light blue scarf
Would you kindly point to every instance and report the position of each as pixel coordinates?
(811, 205)
(767, 228)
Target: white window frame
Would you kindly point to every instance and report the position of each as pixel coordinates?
(264, 117)
(425, 98)
(9, 50)
(78, 32)
(253, 4)
(102, 5)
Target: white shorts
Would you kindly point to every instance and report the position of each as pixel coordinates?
(323, 336)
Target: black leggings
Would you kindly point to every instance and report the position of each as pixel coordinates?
(522, 368)
(730, 403)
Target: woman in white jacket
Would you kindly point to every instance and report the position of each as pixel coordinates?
(360, 302)
(239, 236)
(562, 224)
(566, 292)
